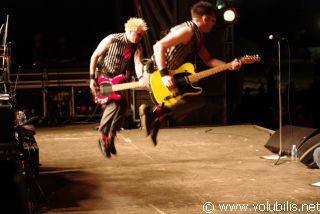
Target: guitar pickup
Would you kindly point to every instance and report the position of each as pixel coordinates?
(105, 89)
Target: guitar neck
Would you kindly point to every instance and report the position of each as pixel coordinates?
(228, 66)
(211, 71)
(125, 86)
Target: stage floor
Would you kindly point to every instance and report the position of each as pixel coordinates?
(190, 166)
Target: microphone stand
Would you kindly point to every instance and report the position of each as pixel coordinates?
(280, 102)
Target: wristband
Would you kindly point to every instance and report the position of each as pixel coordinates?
(92, 76)
(164, 72)
(140, 77)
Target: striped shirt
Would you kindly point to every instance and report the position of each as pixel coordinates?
(116, 59)
(179, 54)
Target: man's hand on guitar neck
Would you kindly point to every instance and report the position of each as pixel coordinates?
(236, 64)
(169, 82)
(93, 87)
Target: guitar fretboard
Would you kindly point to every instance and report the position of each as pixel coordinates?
(244, 60)
(125, 86)
(198, 76)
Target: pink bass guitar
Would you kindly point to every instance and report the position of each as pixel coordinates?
(109, 86)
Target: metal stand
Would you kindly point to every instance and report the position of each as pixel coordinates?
(5, 68)
(280, 102)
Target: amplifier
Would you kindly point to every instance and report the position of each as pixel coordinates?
(10, 151)
(31, 155)
(6, 123)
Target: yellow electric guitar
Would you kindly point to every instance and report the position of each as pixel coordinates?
(184, 77)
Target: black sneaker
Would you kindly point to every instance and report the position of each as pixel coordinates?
(104, 146)
(164, 114)
(145, 117)
(154, 131)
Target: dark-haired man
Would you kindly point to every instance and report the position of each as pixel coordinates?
(183, 40)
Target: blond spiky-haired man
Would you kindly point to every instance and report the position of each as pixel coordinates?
(112, 58)
(134, 24)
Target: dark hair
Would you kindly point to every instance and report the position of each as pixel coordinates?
(202, 8)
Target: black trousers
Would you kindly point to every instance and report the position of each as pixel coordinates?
(113, 116)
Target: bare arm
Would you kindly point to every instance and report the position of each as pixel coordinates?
(139, 65)
(212, 62)
(181, 35)
(99, 51)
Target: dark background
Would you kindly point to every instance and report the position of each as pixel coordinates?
(84, 24)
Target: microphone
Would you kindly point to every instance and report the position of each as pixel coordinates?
(275, 37)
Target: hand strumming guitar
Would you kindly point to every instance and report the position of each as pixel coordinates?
(169, 82)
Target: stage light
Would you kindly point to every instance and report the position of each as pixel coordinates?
(229, 15)
(227, 11)
(221, 4)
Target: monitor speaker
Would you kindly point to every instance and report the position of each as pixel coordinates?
(291, 135)
(305, 151)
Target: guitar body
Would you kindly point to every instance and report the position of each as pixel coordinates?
(184, 77)
(162, 94)
(105, 87)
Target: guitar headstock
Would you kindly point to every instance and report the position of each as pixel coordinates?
(249, 59)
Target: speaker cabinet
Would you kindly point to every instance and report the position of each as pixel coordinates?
(31, 155)
(305, 151)
(291, 135)
(13, 189)
(6, 124)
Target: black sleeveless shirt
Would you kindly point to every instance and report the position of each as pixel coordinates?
(178, 54)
